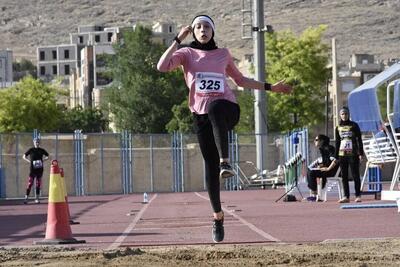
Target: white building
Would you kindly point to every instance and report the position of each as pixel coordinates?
(56, 60)
(164, 32)
(83, 60)
(63, 60)
(88, 80)
(6, 68)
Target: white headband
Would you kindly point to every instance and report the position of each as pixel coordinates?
(203, 18)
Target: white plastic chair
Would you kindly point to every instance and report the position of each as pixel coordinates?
(330, 182)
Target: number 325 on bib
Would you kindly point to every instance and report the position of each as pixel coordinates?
(209, 83)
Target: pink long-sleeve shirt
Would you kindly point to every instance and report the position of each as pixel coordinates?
(205, 75)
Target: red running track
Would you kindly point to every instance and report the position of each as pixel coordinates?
(251, 216)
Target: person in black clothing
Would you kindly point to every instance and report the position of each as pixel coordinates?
(37, 156)
(349, 150)
(325, 166)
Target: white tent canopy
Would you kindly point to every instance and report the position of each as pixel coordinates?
(363, 101)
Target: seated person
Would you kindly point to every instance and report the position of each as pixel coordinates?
(325, 166)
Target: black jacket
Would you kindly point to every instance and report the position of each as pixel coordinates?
(327, 153)
(348, 139)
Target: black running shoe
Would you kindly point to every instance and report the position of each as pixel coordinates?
(225, 170)
(218, 232)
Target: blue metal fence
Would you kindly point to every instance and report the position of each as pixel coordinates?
(110, 163)
(79, 164)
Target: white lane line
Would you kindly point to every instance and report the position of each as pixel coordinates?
(130, 227)
(248, 224)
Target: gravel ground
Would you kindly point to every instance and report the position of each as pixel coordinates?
(385, 252)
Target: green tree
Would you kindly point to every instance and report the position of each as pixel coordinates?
(301, 62)
(182, 119)
(142, 98)
(28, 105)
(246, 102)
(88, 120)
(23, 68)
(382, 99)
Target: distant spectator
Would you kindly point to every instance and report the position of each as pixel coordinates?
(37, 156)
(349, 151)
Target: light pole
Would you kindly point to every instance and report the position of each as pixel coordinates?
(260, 96)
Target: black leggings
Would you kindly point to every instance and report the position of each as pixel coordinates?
(354, 164)
(312, 176)
(212, 132)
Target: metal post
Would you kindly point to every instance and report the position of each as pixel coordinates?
(82, 163)
(259, 64)
(122, 145)
(17, 163)
(76, 165)
(130, 162)
(102, 162)
(337, 93)
(327, 108)
(176, 161)
(126, 162)
(56, 145)
(182, 163)
(79, 163)
(2, 183)
(236, 159)
(151, 165)
(173, 161)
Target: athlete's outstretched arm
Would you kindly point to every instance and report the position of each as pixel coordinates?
(279, 87)
(249, 83)
(166, 63)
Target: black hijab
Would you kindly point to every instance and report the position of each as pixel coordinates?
(208, 46)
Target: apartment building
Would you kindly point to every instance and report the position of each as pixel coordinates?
(91, 77)
(88, 83)
(6, 70)
(62, 60)
(83, 60)
(164, 32)
(94, 35)
(360, 68)
(56, 60)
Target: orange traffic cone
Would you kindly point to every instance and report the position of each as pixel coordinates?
(58, 230)
(66, 196)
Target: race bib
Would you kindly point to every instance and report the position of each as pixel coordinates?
(209, 83)
(37, 164)
(346, 147)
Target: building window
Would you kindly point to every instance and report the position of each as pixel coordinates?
(110, 34)
(97, 38)
(54, 53)
(170, 29)
(66, 69)
(42, 70)
(54, 69)
(42, 55)
(80, 39)
(66, 54)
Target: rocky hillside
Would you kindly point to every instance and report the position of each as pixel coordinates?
(359, 26)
